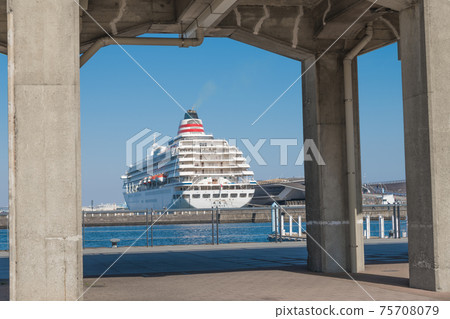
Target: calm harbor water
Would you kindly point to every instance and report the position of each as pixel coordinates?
(197, 234)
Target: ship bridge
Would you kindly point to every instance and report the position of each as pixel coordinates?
(44, 40)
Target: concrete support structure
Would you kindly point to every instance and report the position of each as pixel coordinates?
(327, 206)
(45, 192)
(425, 44)
(44, 150)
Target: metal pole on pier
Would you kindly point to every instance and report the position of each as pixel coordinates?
(381, 225)
(398, 221)
(394, 232)
(151, 226)
(212, 226)
(146, 224)
(394, 221)
(275, 221)
(368, 226)
(406, 224)
(217, 225)
(274, 218)
(290, 225)
(279, 225)
(8, 233)
(83, 226)
(299, 225)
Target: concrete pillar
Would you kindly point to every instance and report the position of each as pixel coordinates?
(44, 150)
(425, 46)
(327, 209)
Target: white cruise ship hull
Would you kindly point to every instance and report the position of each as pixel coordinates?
(163, 198)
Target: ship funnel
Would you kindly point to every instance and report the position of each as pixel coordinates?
(191, 114)
(191, 125)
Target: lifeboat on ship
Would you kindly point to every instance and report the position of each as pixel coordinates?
(160, 177)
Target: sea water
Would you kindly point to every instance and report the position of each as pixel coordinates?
(196, 234)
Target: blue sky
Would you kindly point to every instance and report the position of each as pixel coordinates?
(233, 83)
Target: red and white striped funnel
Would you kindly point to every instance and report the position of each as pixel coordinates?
(191, 125)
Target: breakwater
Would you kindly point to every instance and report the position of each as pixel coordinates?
(225, 216)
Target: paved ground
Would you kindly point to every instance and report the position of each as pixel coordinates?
(206, 258)
(264, 271)
(381, 281)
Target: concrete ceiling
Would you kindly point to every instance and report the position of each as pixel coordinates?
(293, 28)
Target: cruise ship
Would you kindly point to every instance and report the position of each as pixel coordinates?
(193, 170)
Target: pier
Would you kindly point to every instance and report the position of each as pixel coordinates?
(203, 216)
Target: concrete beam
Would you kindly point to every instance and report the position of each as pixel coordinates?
(134, 17)
(189, 10)
(84, 6)
(44, 150)
(280, 3)
(426, 73)
(397, 5)
(342, 16)
(183, 43)
(327, 208)
(119, 16)
(210, 17)
(270, 44)
(126, 33)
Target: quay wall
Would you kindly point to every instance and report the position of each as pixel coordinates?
(122, 218)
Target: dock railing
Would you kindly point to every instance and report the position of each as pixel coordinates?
(180, 226)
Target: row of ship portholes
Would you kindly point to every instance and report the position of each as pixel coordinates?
(224, 195)
(218, 187)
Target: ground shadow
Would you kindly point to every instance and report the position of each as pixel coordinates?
(4, 290)
(224, 258)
